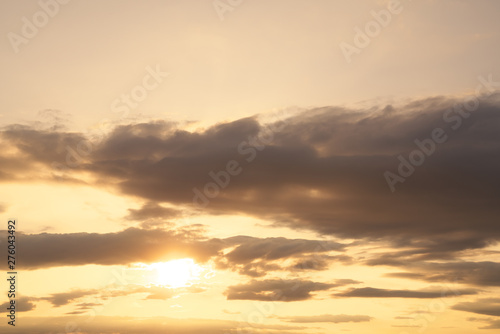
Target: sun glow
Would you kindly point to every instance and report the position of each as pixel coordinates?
(176, 273)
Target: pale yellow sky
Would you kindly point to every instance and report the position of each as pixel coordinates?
(263, 55)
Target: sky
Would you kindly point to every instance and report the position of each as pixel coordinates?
(251, 166)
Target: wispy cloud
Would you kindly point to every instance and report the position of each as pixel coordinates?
(387, 293)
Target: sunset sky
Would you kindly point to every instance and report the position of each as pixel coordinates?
(251, 166)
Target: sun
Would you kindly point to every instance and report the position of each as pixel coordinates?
(176, 273)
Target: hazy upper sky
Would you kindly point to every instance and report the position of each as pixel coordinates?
(263, 55)
(252, 166)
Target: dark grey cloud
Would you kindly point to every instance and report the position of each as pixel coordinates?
(152, 210)
(338, 318)
(277, 290)
(387, 293)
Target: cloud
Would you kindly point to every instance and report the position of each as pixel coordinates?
(406, 275)
(249, 256)
(256, 257)
(152, 210)
(83, 308)
(76, 312)
(484, 306)
(340, 318)
(157, 292)
(23, 304)
(319, 262)
(88, 306)
(251, 248)
(52, 119)
(485, 273)
(276, 290)
(42, 146)
(254, 269)
(386, 293)
(445, 247)
(493, 324)
(314, 173)
(346, 281)
(64, 298)
(128, 246)
(149, 325)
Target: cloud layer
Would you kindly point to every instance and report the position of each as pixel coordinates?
(321, 170)
(279, 290)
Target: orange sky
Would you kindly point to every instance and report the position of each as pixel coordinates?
(227, 166)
